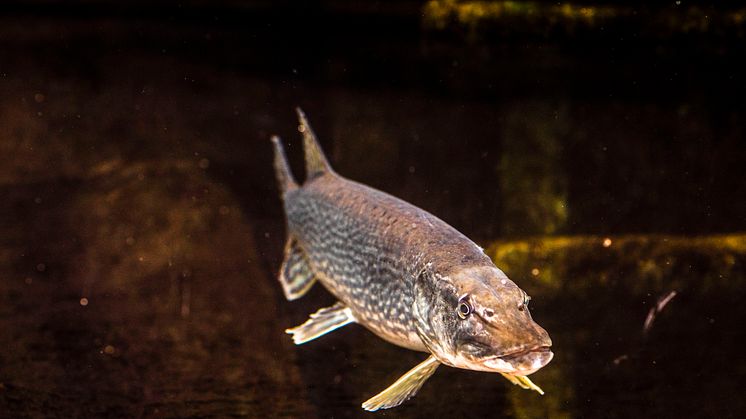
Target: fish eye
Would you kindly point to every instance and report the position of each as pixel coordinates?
(524, 303)
(464, 308)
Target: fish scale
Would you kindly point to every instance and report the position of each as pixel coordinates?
(402, 273)
(337, 223)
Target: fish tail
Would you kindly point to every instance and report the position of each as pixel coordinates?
(285, 179)
(316, 163)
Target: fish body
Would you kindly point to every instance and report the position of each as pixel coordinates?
(405, 275)
(367, 247)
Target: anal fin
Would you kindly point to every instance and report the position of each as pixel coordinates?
(322, 322)
(404, 388)
(296, 275)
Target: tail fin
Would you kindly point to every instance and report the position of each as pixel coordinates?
(316, 163)
(285, 178)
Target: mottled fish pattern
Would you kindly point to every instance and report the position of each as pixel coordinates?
(368, 249)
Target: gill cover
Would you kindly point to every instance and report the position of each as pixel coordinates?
(476, 318)
(434, 314)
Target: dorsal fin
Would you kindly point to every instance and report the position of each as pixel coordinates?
(316, 163)
(285, 180)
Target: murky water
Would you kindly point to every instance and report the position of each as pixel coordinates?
(140, 231)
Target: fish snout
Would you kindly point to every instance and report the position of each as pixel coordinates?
(541, 336)
(514, 329)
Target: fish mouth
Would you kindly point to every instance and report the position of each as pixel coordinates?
(523, 362)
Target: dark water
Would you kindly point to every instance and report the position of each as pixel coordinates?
(140, 231)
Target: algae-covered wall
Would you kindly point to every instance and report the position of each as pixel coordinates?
(645, 318)
(595, 149)
(650, 263)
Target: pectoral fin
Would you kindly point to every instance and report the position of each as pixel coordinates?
(321, 323)
(296, 275)
(404, 388)
(523, 382)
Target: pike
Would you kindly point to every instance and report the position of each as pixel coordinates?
(405, 275)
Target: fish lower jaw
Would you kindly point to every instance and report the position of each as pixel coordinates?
(523, 363)
(492, 364)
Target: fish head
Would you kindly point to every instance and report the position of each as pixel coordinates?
(478, 319)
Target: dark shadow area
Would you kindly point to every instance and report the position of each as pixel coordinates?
(141, 232)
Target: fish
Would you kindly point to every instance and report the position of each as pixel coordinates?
(402, 273)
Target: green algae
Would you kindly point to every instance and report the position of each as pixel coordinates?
(543, 18)
(596, 295)
(647, 262)
(531, 175)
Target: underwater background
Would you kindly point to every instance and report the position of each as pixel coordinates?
(596, 150)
